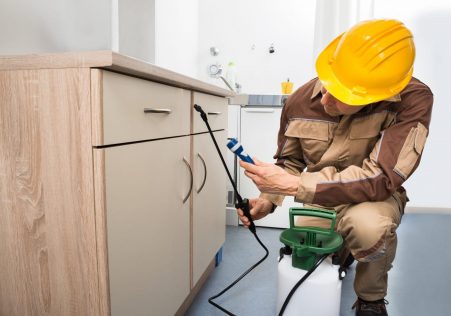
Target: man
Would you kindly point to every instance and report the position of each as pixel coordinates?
(347, 141)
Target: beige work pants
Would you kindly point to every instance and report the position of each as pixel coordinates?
(369, 232)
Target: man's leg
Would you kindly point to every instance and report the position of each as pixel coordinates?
(369, 230)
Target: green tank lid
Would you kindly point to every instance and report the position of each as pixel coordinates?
(309, 243)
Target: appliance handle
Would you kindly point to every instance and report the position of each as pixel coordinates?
(259, 110)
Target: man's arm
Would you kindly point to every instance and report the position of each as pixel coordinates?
(393, 159)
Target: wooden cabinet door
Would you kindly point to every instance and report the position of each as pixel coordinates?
(148, 226)
(209, 201)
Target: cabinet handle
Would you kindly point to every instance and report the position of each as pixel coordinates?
(165, 111)
(191, 180)
(205, 173)
(214, 113)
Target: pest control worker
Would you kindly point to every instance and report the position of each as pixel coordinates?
(347, 141)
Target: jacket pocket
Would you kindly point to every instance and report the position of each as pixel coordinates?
(367, 126)
(364, 134)
(411, 150)
(313, 137)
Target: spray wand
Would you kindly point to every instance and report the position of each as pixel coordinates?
(241, 203)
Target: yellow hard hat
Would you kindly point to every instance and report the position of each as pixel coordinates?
(370, 62)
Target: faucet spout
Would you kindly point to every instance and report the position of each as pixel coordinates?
(227, 83)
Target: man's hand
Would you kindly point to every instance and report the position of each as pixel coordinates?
(259, 209)
(270, 178)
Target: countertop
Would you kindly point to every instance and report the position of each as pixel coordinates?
(113, 61)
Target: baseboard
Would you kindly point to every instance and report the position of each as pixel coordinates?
(427, 210)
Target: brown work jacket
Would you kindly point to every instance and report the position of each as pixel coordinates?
(354, 158)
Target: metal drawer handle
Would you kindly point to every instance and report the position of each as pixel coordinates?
(165, 111)
(191, 180)
(214, 113)
(205, 173)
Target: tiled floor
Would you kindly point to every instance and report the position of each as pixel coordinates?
(419, 283)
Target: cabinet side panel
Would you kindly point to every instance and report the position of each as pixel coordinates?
(47, 230)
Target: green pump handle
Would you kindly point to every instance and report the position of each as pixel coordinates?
(314, 213)
(308, 242)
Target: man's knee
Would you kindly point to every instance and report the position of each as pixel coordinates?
(368, 234)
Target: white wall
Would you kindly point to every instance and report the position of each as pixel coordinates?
(334, 17)
(430, 22)
(54, 26)
(234, 26)
(135, 28)
(176, 35)
(299, 30)
(49, 26)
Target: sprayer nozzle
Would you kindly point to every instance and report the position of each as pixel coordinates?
(198, 108)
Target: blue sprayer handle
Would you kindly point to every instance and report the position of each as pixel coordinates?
(238, 150)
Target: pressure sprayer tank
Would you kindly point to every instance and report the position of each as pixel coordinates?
(320, 293)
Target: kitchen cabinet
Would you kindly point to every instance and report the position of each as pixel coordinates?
(102, 210)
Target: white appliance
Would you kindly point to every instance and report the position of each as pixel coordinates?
(259, 124)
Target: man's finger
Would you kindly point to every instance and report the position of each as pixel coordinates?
(261, 163)
(249, 174)
(258, 162)
(255, 179)
(250, 167)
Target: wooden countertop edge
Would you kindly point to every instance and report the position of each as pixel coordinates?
(111, 61)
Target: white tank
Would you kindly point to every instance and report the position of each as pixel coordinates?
(318, 295)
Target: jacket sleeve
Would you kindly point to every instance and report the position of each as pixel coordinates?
(392, 161)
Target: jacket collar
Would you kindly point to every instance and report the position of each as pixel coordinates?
(318, 86)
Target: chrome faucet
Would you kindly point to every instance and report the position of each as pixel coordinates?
(227, 83)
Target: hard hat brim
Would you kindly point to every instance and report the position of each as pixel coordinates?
(343, 93)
